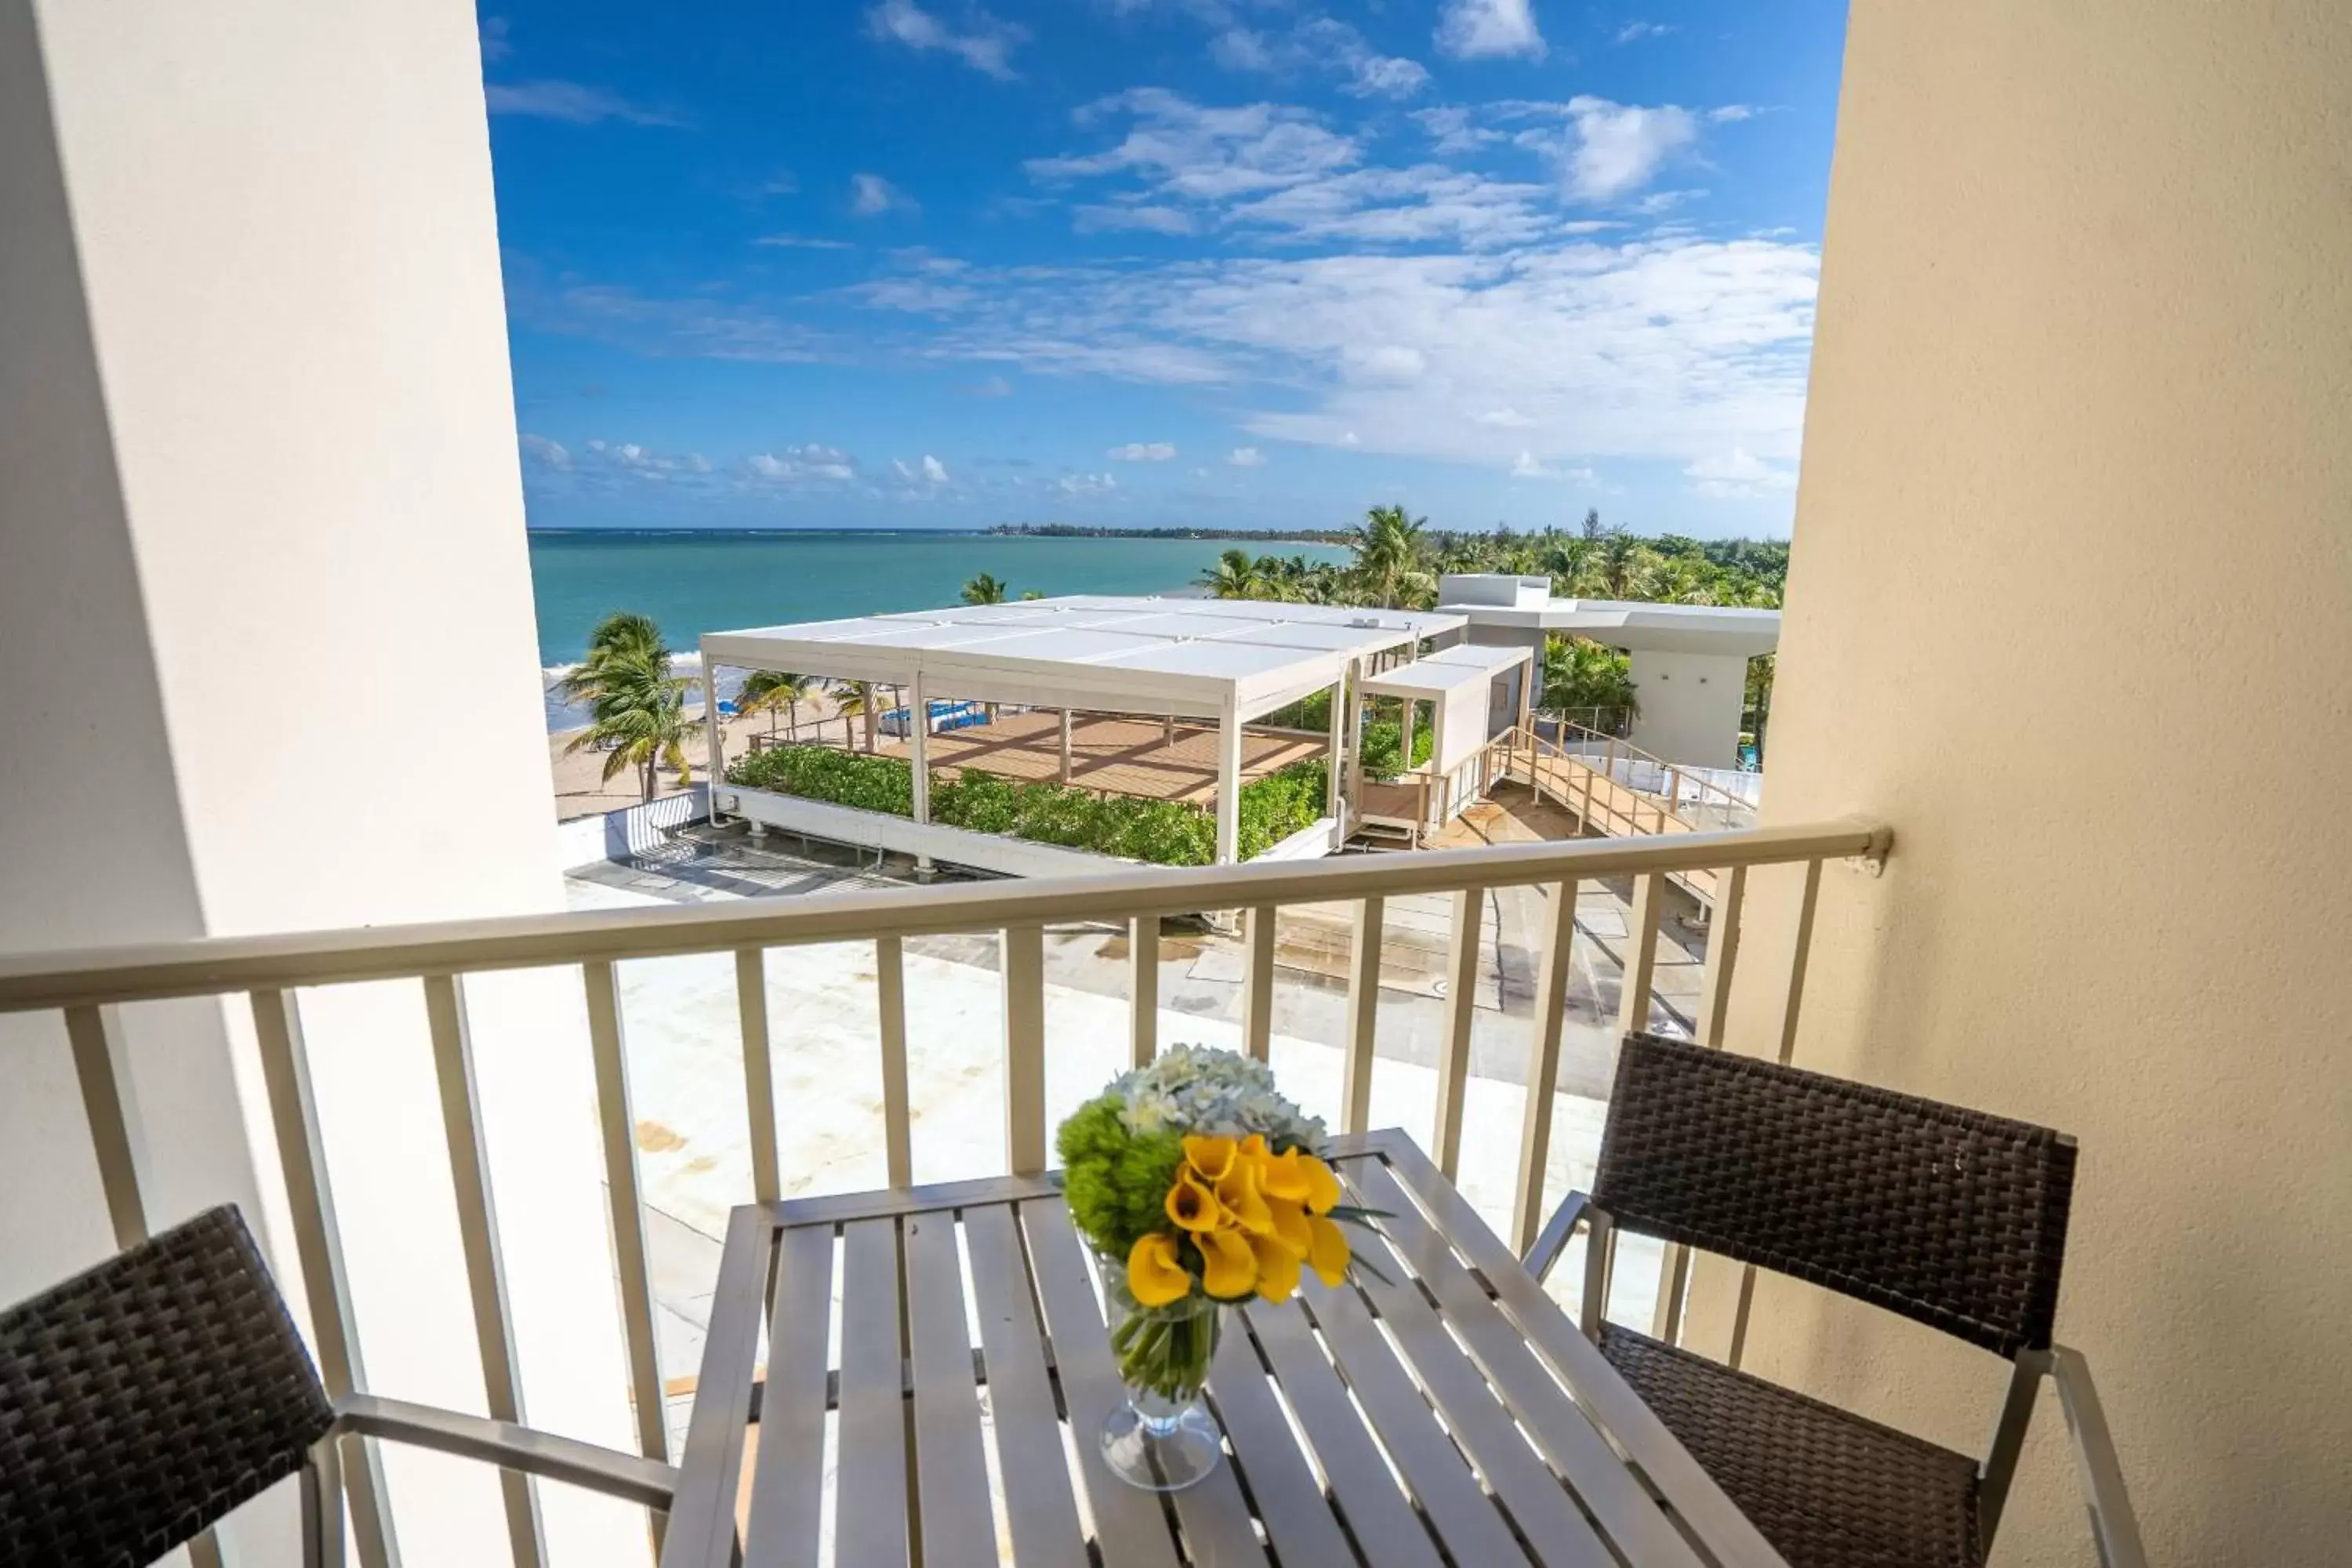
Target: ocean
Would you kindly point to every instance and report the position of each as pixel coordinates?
(693, 582)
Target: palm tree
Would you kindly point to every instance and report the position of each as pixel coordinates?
(1234, 576)
(637, 706)
(984, 590)
(765, 691)
(1625, 565)
(1389, 549)
(1579, 673)
(855, 699)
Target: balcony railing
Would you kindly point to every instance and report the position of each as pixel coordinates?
(270, 974)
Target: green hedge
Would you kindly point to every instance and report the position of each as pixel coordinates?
(1166, 833)
(1383, 739)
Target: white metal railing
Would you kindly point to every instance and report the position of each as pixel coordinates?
(88, 987)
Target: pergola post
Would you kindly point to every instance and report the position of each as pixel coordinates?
(918, 745)
(1229, 786)
(1405, 731)
(871, 691)
(1168, 737)
(1335, 796)
(1066, 745)
(717, 737)
(1440, 785)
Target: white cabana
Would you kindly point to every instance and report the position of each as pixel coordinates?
(1475, 691)
(1220, 661)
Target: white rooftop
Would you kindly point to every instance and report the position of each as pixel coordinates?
(1435, 674)
(1192, 657)
(1492, 599)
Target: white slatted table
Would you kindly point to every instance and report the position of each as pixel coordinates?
(1482, 1428)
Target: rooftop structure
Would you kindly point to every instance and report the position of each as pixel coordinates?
(1689, 660)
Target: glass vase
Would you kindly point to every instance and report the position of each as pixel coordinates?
(1162, 1439)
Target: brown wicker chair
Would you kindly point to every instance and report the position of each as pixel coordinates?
(1946, 1216)
(145, 1399)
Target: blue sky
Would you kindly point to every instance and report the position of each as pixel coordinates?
(1232, 263)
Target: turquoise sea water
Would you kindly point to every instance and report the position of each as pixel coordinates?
(696, 582)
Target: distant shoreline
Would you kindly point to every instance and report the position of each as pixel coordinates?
(999, 530)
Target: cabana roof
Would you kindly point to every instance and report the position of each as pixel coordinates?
(1430, 677)
(1188, 657)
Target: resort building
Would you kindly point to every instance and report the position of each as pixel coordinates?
(1689, 663)
(2073, 463)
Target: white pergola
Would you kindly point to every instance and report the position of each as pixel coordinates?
(1218, 661)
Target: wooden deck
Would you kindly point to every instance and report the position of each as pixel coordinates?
(1122, 756)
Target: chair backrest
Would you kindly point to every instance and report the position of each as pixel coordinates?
(145, 1398)
(1948, 1216)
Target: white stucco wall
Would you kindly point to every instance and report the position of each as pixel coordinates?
(256, 451)
(2076, 467)
(1690, 705)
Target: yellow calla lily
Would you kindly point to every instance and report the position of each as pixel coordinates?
(1327, 1253)
(1213, 1157)
(1281, 1176)
(1277, 1267)
(1154, 1278)
(1238, 1195)
(1289, 1228)
(1228, 1266)
(1192, 1206)
(1322, 1186)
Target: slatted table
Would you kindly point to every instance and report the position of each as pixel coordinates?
(1452, 1416)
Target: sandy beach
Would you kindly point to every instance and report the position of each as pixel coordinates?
(580, 789)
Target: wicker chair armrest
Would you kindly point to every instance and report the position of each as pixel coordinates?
(543, 1454)
(2114, 1527)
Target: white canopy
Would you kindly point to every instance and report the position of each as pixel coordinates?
(1430, 677)
(1201, 658)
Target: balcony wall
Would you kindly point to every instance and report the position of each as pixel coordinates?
(2075, 485)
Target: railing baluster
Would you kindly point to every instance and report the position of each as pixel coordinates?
(107, 1101)
(1722, 956)
(616, 1117)
(1640, 952)
(1257, 987)
(890, 1009)
(1024, 1048)
(1798, 959)
(318, 1243)
(470, 1172)
(759, 1071)
(1461, 1006)
(1363, 1015)
(1143, 988)
(1555, 968)
(112, 1109)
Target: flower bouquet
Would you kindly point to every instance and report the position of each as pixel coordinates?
(1201, 1188)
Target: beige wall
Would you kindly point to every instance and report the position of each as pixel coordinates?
(2072, 609)
(265, 571)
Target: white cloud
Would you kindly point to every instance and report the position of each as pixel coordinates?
(496, 45)
(1737, 474)
(1526, 468)
(1142, 452)
(1501, 419)
(1245, 457)
(994, 386)
(1086, 484)
(1321, 44)
(1634, 32)
(803, 242)
(539, 449)
(1279, 170)
(1093, 220)
(870, 195)
(935, 471)
(987, 47)
(1476, 29)
(570, 102)
(800, 464)
(1620, 147)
